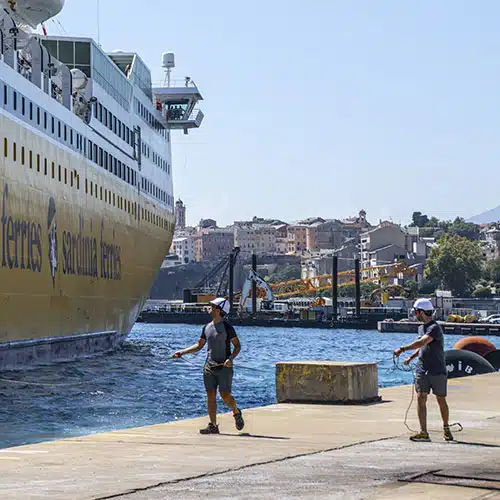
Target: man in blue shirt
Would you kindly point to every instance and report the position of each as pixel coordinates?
(431, 370)
(218, 369)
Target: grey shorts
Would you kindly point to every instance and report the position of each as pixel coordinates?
(219, 376)
(438, 384)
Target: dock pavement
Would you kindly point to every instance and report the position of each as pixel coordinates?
(285, 451)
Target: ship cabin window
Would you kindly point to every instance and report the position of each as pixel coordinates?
(45, 120)
(5, 95)
(23, 105)
(15, 101)
(31, 110)
(5, 147)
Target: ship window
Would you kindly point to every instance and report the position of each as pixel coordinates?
(100, 112)
(65, 133)
(15, 101)
(5, 95)
(90, 150)
(95, 153)
(31, 111)
(105, 117)
(38, 163)
(95, 186)
(53, 125)
(71, 178)
(82, 53)
(101, 192)
(66, 52)
(53, 170)
(95, 111)
(65, 175)
(77, 181)
(91, 188)
(5, 147)
(45, 169)
(37, 115)
(101, 157)
(86, 186)
(58, 128)
(45, 120)
(23, 105)
(114, 200)
(71, 136)
(14, 151)
(60, 173)
(31, 159)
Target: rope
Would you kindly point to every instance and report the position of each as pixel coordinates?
(397, 366)
(40, 384)
(222, 364)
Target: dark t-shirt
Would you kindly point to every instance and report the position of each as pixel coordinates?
(218, 337)
(431, 359)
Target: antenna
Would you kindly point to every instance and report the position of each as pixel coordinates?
(98, 24)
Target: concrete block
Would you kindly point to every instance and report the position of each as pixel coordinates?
(326, 382)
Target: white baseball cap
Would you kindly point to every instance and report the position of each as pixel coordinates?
(423, 304)
(222, 303)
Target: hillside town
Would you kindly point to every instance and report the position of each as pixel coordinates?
(312, 242)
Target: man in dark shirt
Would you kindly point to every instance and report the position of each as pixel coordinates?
(431, 370)
(218, 369)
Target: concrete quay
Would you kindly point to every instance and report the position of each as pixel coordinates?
(285, 451)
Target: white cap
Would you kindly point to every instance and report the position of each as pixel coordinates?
(222, 303)
(424, 304)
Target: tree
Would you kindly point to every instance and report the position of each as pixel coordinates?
(456, 262)
(482, 292)
(419, 220)
(466, 229)
(411, 289)
(347, 291)
(492, 270)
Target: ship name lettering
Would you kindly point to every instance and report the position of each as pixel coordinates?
(79, 254)
(111, 263)
(21, 240)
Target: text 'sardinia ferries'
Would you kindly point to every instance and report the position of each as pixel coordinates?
(86, 201)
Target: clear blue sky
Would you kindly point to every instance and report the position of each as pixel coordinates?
(324, 107)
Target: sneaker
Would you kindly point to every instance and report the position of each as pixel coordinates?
(210, 429)
(420, 436)
(238, 420)
(447, 435)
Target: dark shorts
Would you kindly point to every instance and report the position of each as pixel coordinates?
(218, 377)
(438, 384)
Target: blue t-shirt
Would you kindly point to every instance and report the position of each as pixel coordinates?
(431, 359)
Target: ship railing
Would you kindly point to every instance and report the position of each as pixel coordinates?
(175, 83)
(24, 67)
(195, 116)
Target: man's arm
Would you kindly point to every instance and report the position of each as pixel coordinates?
(421, 342)
(408, 360)
(194, 348)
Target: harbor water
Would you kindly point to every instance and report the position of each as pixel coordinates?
(140, 384)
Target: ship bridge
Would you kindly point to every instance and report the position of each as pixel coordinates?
(177, 100)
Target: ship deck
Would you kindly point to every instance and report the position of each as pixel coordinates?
(286, 450)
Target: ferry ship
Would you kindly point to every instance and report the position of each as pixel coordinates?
(86, 199)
